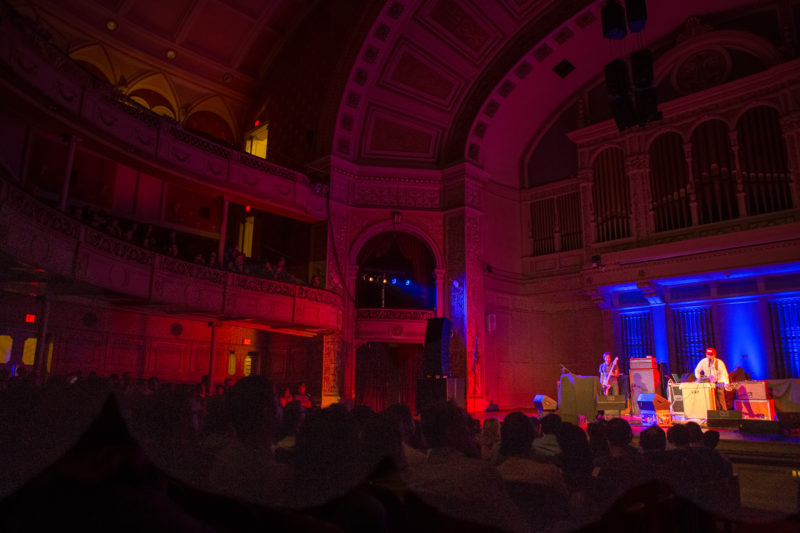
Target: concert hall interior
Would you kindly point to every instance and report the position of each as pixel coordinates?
(367, 203)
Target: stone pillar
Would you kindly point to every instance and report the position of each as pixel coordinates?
(72, 143)
(637, 167)
(439, 274)
(465, 277)
(338, 359)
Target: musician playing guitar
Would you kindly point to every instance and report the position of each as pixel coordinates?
(608, 375)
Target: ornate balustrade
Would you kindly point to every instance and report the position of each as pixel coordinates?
(45, 238)
(392, 325)
(37, 70)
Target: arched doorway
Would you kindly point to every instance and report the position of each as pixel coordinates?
(395, 293)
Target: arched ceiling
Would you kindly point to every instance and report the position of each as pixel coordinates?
(443, 81)
(435, 82)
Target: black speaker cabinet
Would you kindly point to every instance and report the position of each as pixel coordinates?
(723, 419)
(764, 427)
(436, 353)
(611, 402)
(650, 401)
(430, 391)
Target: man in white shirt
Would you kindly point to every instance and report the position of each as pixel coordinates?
(714, 370)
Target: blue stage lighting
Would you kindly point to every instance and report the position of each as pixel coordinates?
(408, 282)
(394, 281)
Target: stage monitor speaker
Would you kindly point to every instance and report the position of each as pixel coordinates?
(611, 402)
(544, 403)
(430, 391)
(723, 419)
(650, 401)
(436, 353)
(763, 427)
(788, 419)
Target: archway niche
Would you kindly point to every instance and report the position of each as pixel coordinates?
(395, 271)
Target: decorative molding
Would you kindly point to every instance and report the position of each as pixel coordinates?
(394, 314)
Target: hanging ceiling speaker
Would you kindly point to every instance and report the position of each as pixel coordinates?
(637, 14)
(613, 19)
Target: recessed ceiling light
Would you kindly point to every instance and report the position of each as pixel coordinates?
(111, 24)
(171, 54)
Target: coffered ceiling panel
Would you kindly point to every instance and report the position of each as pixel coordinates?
(162, 18)
(393, 134)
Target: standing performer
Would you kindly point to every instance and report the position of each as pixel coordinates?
(608, 375)
(712, 369)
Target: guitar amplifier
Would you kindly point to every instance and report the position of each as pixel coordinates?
(637, 363)
(751, 390)
(755, 409)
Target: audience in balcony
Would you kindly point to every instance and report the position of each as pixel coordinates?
(198, 250)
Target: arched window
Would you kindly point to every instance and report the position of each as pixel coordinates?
(611, 195)
(763, 161)
(712, 164)
(669, 178)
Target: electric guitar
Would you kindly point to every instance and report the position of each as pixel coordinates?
(607, 378)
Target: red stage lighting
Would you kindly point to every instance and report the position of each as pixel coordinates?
(246, 341)
(247, 208)
(256, 123)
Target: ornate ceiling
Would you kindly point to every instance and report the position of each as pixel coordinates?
(431, 83)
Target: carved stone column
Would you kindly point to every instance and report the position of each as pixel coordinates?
(439, 274)
(338, 358)
(465, 276)
(637, 167)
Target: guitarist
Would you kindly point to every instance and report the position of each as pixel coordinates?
(608, 375)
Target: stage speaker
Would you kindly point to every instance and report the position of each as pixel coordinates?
(430, 391)
(642, 68)
(637, 14)
(544, 403)
(764, 427)
(436, 353)
(613, 19)
(723, 419)
(611, 402)
(617, 80)
(651, 401)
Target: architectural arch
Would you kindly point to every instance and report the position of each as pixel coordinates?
(96, 56)
(389, 226)
(216, 106)
(159, 84)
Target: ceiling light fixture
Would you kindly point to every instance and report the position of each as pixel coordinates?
(111, 24)
(171, 54)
